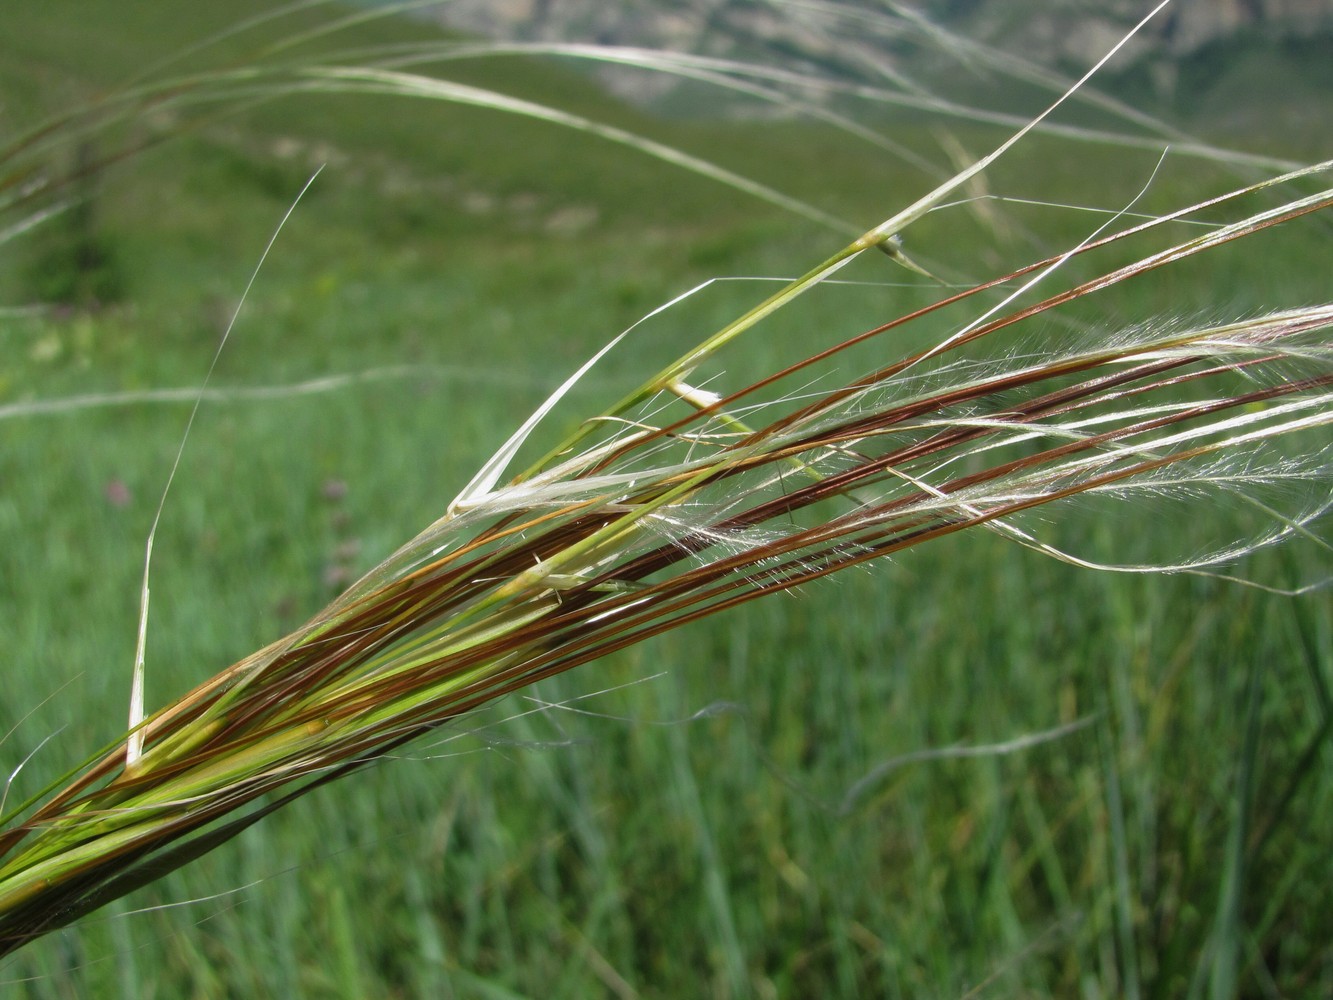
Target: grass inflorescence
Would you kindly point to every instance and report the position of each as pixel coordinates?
(621, 535)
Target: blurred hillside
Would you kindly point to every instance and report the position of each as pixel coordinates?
(1231, 61)
(1051, 31)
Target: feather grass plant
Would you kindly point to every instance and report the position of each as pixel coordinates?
(685, 499)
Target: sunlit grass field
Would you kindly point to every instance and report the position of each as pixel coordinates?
(844, 791)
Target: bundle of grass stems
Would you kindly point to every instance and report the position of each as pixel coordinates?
(684, 499)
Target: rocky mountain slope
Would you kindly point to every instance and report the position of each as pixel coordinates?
(1264, 66)
(1053, 32)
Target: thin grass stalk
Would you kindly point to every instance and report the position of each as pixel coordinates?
(297, 65)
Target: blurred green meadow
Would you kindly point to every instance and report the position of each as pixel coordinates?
(749, 807)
